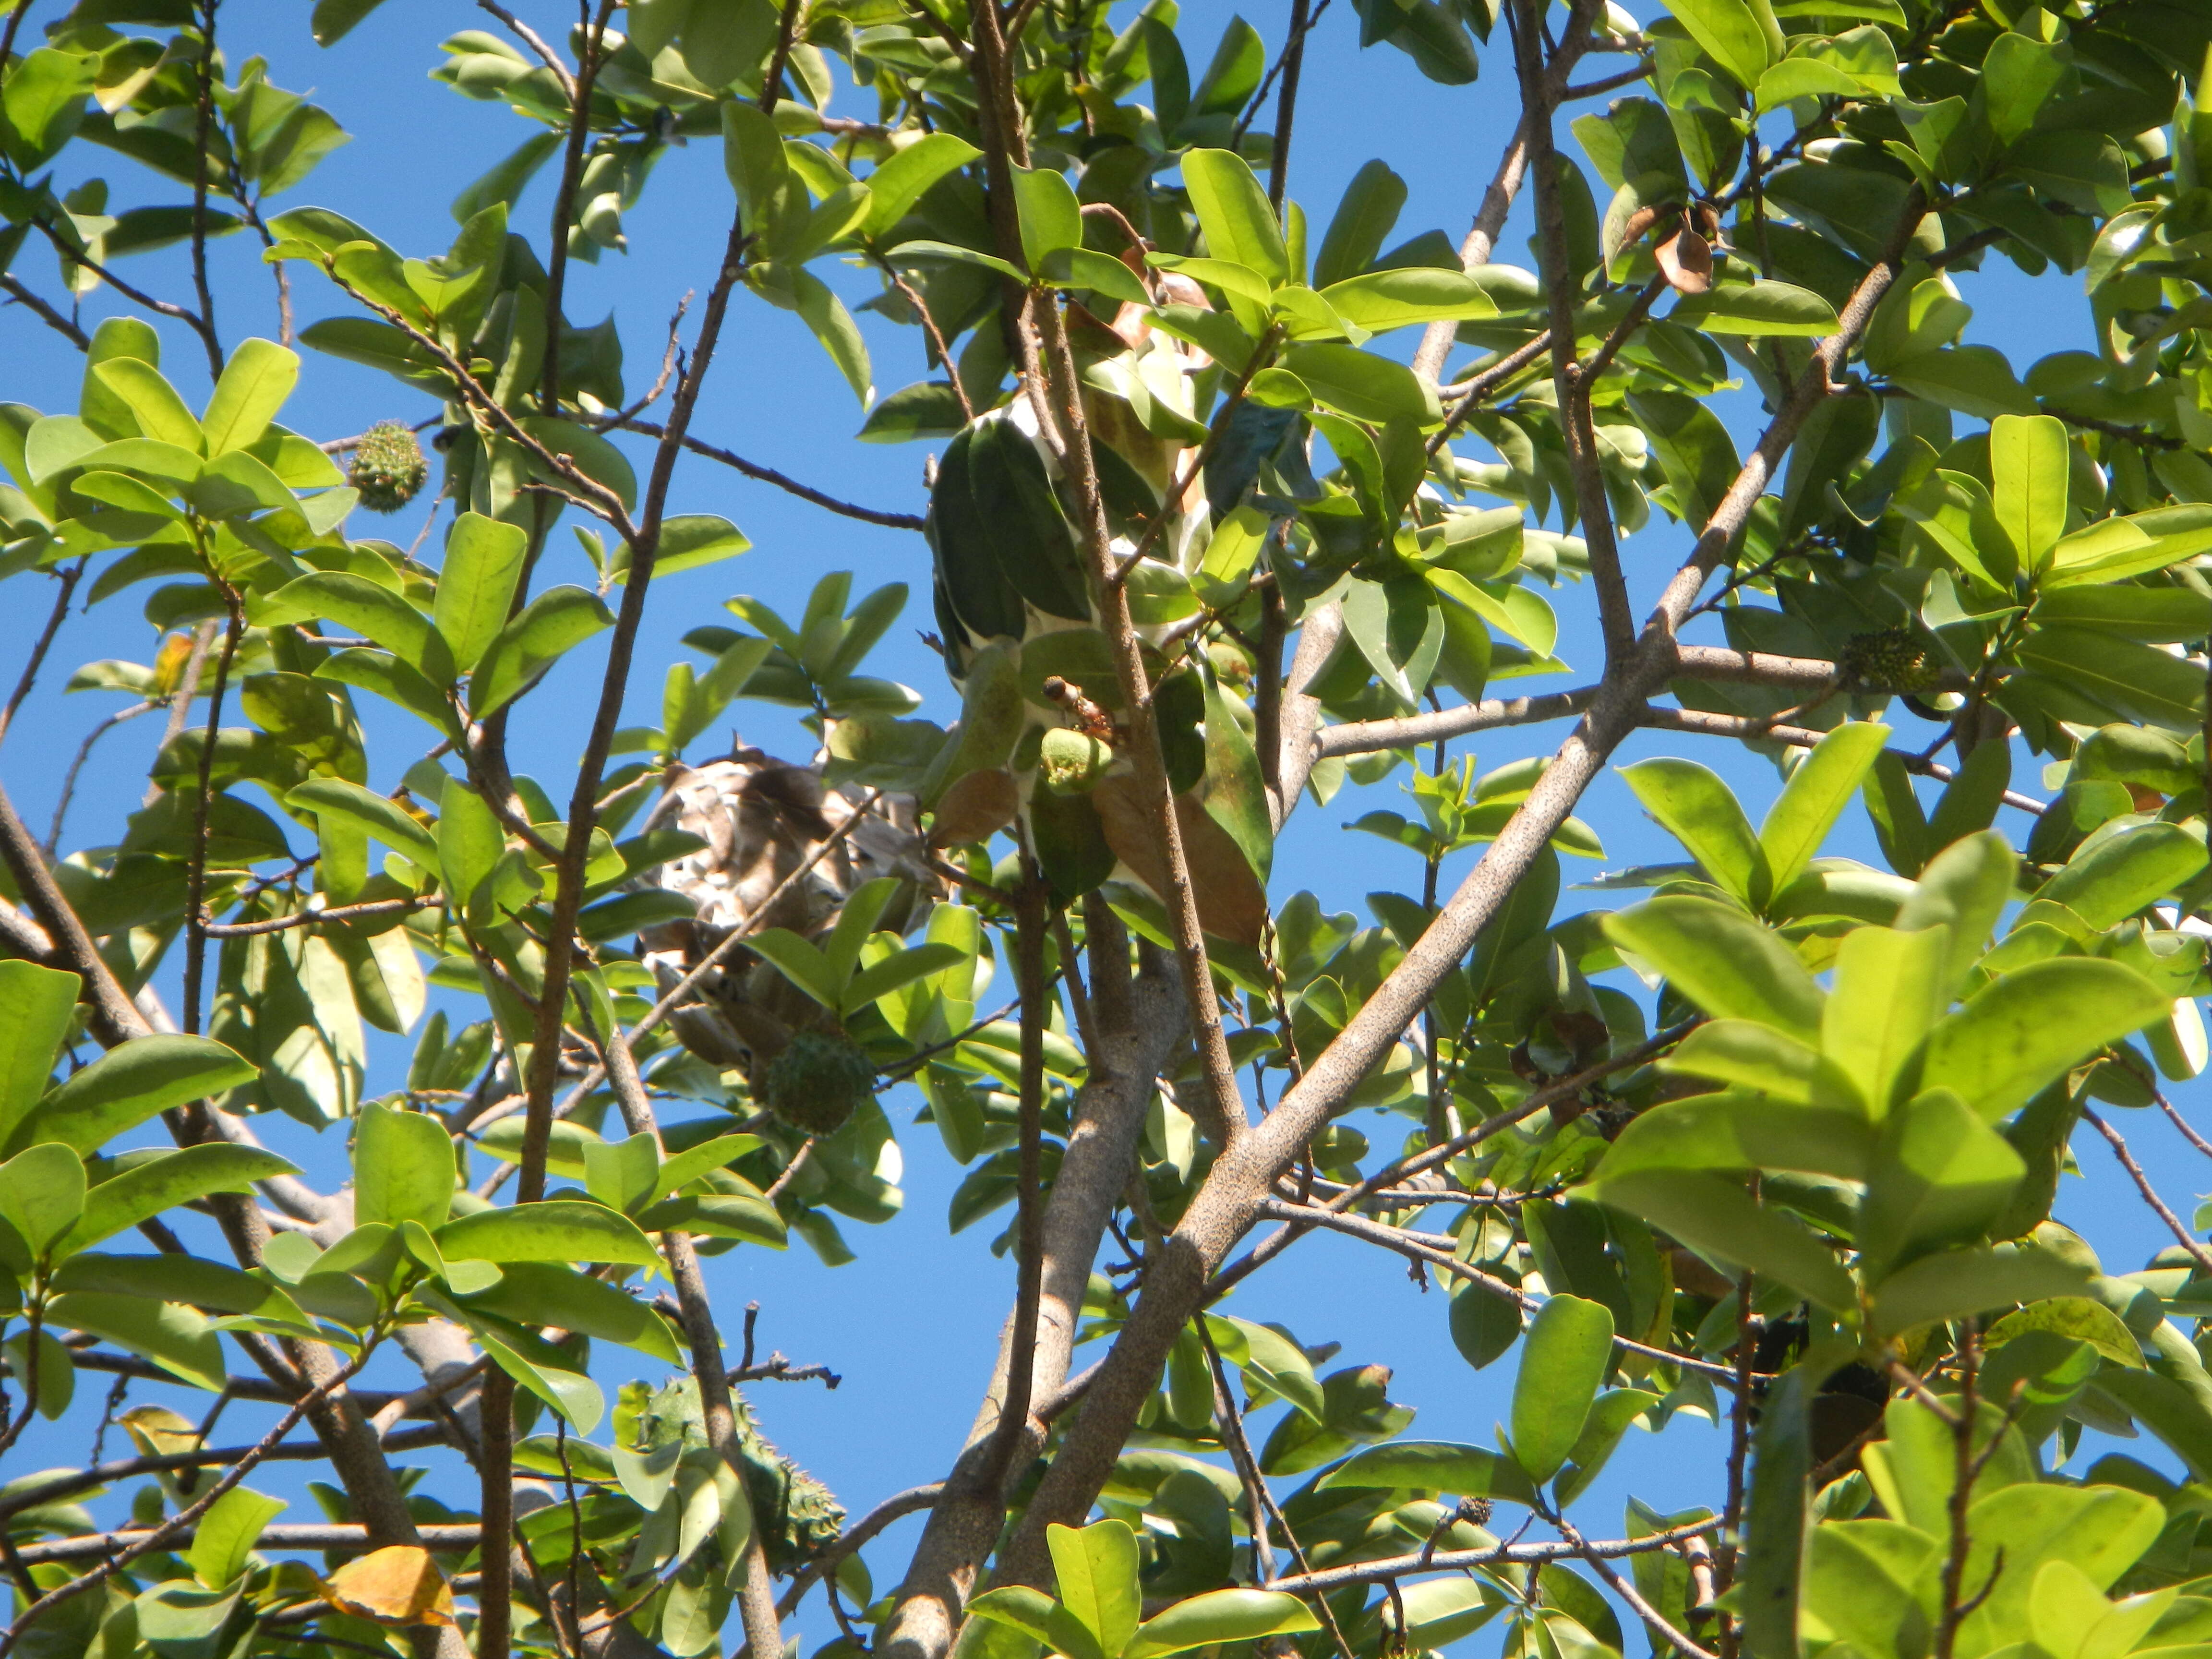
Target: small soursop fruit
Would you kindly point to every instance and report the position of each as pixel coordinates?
(799, 1517)
(387, 467)
(1073, 761)
(1894, 659)
(817, 1083)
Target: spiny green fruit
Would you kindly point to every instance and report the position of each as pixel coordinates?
(1894, 657)
(1073, 761)
(387, 467)
(818, 1083)
(798, 1515)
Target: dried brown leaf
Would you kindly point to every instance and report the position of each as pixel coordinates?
(1231, 903)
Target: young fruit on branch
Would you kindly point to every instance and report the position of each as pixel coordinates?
(1892, 658)
(817, 1083)
(387, 467)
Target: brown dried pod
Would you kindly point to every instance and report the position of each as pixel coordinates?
(1686, 259)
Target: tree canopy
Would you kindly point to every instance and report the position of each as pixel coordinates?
(1232, 505)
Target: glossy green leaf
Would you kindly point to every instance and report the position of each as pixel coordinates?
(164, 1181)
(1563, 1360)
(1693, 805)
(2029, 468)
(127, 1086)
(1038, 1616)
(1815, 796)
(35, 1007)
(475, 588)
(42, 1191)
(223, 1540)
(1218, 1616)
(2017, 1035)
(161, 413)
(376, 612)
(1726, 964)
(376, 815)
(557, 1230)
(402, 1167)
(1715, 1215)
(176, 1339)
(1888, 992)
(1232, 211)
(255, 383)
(1095, 1567)
(1434, 1466)
(1742, 1131)
(551, 625)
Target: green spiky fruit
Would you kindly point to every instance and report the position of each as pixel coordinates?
(798, 1515)
(818, 1083)
(387, 467)
(1894, 657)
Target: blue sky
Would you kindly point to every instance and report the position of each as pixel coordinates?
(912, 1327)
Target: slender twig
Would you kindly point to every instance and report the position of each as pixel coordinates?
(2182, 1237)
(1287, 103)
(1400, 1566)
(29, 678)
(23, 295)
(203, 133)
(1626, 1591)
(196, 919)
(768, 475)
(312, 918)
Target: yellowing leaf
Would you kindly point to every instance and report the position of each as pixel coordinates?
(397, 1585)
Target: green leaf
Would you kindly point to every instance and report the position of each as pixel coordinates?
(1815, 796)
(907, 175)
(1742, 1131)
(1724, 962)
(1958, 1284)
(871, 985)
(2124, 874)
(222, 1542)
(1715, 1216)
(1224, 1615)
(2028, 469)
(802, 964)
(529, 1360)
(823, 312)
(1568, 1351)
(1888, 991)
(1751, 1056)
(1693, 805)
(620, 1173)
(1941, 1175)
(35, 1007)
(551, 625)
(205, 1285)
(1384, 300)
(177, 1339)
(166, 1181)
(557, 1230)
(161, 413)
(1232, 211)
(1364, 217)
(1694, 451)
(1963, 890)
(255, 383)
(1362, 385)
(1740, 35)
(2079, 1318)
(553, 1294)
(680, 1171)
(374, 815)
(402, 1167)
(475, 587)
(42, 1193)
(1051, 219)
(1434, 1466)
(373, 612)
(1780, 1488)
(752, 154)
(2019, 1034)
(1758, 310)
(129, 1084)
(1038, 1616)
(1096, 1570)
(930, 252)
